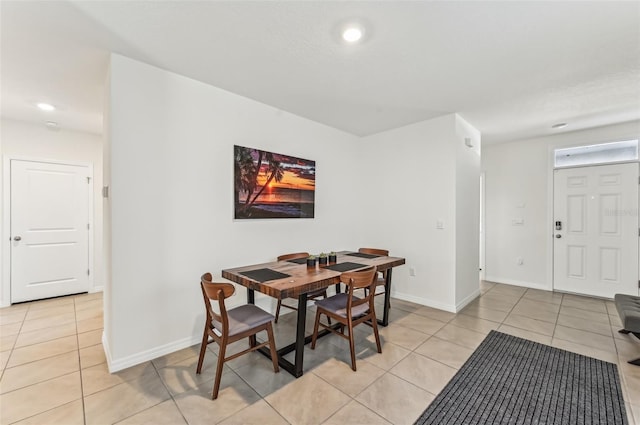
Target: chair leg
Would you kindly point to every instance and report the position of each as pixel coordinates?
(328, 318)
(352, 347)
(216, 384)
(272, 348)
(278, 310)
(635, 362)
(203, 349)
(374, 325)
(315, 330)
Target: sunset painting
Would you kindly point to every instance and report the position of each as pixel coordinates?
(271, 185)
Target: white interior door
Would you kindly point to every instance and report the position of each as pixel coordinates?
(49, 230)
(596, 246)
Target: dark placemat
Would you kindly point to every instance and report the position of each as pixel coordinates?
(362, 255)
(298, 261)
(263, 275)
(343, 267)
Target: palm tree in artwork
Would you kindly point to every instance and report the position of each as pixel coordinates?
(275, 171)
(244, 172)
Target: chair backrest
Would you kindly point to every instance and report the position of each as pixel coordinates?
(357, 280)
(374, 251)
(217, 292)
(293, 256)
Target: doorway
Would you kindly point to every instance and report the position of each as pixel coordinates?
(50, 229)
(596, 230)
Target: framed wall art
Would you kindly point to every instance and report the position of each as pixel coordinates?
(272, 185)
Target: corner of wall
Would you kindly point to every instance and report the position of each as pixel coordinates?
(5, 298)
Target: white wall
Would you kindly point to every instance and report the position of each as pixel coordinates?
(414, 173)
(171, 201)
(519, 185)
(20, 139)
(467, 213)
(106, 214)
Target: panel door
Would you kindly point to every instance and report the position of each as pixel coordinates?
(49, 230)
(596, 244)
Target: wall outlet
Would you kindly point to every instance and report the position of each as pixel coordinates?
(439, 224)
(520, 261)
(412, 272)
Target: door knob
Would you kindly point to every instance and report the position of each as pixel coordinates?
(558, 236)
(17, 238)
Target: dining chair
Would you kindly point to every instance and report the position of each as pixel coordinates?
(349, 310)
(311, 295)
(381, 276)
(232, 325)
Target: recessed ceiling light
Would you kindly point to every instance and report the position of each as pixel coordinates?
(46, 106)
(352, 34)
(559, 125)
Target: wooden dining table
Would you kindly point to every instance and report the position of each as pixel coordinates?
(293, 279)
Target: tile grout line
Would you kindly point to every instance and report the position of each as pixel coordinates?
(353, 398)
(133, 379)
(555, 325)
(46, 380)
(413, 351)
(404, 311)
(14, 344)
(84, 413)
(514, 306)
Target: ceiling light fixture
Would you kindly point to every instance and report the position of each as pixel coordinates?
(46, 106)
(559, 125)
(352, 34)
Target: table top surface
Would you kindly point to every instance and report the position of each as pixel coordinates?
(303, 279)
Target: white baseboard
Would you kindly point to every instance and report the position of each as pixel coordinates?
(424, 301)
(532, 285)
(98, 288)
(135, 359)
(462, 304)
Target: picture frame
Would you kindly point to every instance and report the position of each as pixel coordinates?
(272, 185)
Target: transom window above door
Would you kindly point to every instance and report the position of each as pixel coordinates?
(604, 153)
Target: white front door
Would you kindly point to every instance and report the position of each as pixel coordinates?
(596, 230)
(49, 229)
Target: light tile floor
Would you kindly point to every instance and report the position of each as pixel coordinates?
(54, 370)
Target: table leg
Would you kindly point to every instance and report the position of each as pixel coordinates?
(251, 299)
(302, 321)
(297, 367)
(387, 300)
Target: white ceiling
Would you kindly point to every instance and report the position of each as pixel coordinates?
(512, 69)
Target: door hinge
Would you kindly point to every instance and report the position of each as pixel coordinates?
(89, 226)
(88, 272)
(88, 180)
(639, 284)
